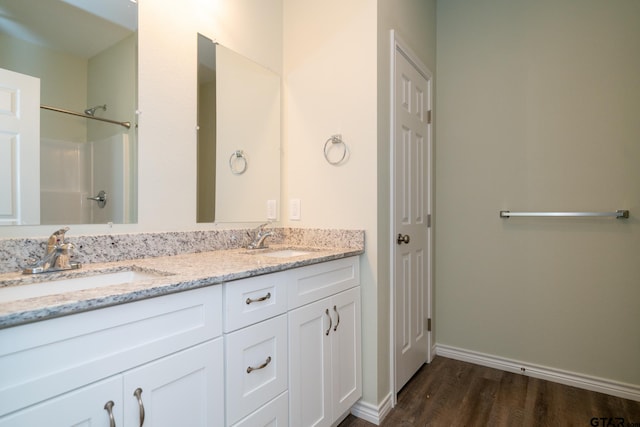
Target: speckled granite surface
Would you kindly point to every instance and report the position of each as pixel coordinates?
(14, 253)
(181, 261)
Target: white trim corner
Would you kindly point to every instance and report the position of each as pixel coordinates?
(371, 413)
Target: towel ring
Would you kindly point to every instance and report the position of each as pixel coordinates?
(335, 139)
(238, 162)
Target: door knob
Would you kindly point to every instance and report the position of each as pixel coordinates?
(403, 239)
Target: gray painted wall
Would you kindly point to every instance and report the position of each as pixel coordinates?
(538, 108)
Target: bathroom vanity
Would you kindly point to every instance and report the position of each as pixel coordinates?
(229, 337)
(86, 367)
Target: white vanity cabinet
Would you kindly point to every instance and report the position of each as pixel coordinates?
(65, 371)
(172, 391)
(325, 373)
(281, 366)
(277, 349)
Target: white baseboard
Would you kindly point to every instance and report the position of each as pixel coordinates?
(373, 414)
(614, 388)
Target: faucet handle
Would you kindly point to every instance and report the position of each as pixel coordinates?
(59, 234)
(261, 226)
(55, 238)
(257, 232)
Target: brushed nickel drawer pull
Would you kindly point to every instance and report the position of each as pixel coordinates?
(264, 298)
(330, 321)
(264, 365)
(109, 408)
(335, 308)
(138, 395)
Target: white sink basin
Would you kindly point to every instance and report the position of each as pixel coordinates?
(52, 287)
(286, 253)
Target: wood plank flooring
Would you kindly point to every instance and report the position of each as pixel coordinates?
(448, 392)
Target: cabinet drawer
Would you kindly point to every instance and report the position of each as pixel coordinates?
(252, 300)
(314, 282)
(274, 413)
(47, 358)
(255, 366)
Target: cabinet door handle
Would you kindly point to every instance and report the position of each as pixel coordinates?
(330, 321)
(264, 365)
(138, 395)
(264, 298)
(335, 328)
(109, 408)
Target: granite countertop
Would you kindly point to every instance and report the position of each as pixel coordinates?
(175, 273)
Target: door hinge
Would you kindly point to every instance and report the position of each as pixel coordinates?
(428, 220)
(428, 117)
(429, 325)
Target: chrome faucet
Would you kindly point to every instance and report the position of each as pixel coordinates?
(259, 237)
(57, 256)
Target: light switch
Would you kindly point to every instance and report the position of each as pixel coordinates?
(272, 212)
(294, 209)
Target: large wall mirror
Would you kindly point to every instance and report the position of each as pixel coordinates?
(238, 137)
(80, 164)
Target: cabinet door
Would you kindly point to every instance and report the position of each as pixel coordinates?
(309, 365)
(183, 389)
(346, 351)
(82, 407)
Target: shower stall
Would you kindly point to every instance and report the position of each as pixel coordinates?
(88, 154)
(78, 164)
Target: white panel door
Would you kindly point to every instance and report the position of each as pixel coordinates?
(411, 217)
(19, 148)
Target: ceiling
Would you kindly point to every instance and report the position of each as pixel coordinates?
(67, 25)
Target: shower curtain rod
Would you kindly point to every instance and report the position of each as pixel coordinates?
(86, 116)
(621, 213)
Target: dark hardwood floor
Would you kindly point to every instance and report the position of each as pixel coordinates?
(448, 392)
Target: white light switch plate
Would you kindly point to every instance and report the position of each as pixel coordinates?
(272, 212)
(294, 209)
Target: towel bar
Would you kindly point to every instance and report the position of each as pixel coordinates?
(621, 213)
